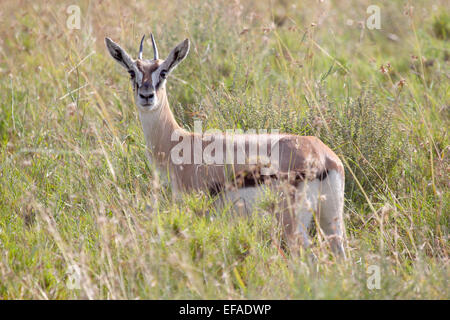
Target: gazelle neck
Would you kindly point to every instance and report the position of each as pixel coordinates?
(158, 126)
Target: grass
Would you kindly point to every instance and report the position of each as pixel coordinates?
(76, 188)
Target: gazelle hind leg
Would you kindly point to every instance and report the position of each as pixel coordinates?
(331, 211)
(306, 198)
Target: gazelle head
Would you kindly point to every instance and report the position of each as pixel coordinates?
(148, 77)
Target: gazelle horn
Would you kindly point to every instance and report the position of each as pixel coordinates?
(141, 47)
(155, 48)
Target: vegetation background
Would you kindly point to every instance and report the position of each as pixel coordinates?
(79, 198)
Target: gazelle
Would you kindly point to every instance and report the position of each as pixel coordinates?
(311, 169)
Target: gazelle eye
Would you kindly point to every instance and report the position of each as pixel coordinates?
(163, 74)
(132, 74)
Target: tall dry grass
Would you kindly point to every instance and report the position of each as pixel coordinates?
(76, 190)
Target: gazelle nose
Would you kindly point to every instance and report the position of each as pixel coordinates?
(147, 96)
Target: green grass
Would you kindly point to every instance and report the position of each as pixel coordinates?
(76, 187)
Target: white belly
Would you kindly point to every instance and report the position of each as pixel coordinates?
(243, 200)
(302, 202)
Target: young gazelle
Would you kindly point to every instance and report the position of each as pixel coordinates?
(305, 164)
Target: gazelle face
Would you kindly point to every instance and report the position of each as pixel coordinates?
(147, 93)
(148, 77)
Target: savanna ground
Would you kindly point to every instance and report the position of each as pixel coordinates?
(78, 196)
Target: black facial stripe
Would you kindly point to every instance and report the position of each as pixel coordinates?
(159, 84)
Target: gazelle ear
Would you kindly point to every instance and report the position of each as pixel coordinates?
(122, 57)
(119, 54)
(175, 57)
